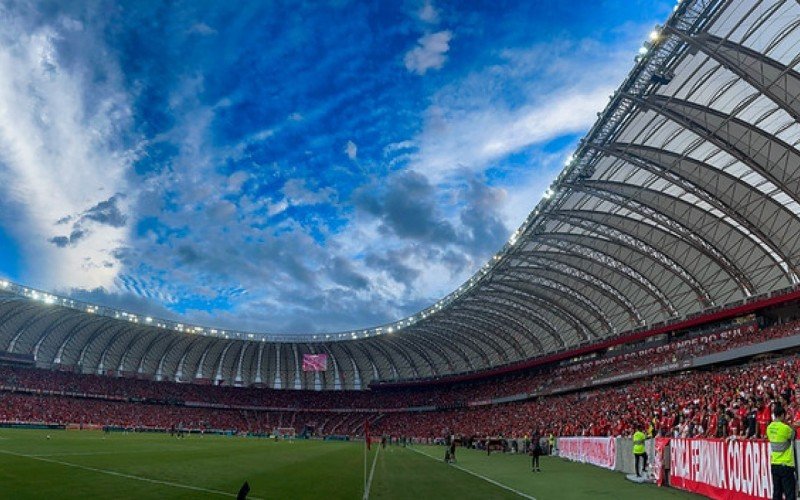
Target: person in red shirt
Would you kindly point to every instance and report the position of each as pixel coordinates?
(666, 425)
(763, 418)
(734, 425)
(741, 409)
(795, 417)
(711, 424)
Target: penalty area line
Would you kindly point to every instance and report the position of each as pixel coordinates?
(123, 475)
(480, 476)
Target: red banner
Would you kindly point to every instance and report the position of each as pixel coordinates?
(600, 451)
(721, 469)
(658, 460)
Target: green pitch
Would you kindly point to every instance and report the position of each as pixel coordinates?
(138, 466)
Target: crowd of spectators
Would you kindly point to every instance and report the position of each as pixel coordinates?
(727, 402)
(721, 402)
(64, 410)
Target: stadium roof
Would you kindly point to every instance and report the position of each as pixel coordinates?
(682, 199)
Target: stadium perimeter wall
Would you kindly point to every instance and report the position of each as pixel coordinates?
(625, 462)
(735, 474)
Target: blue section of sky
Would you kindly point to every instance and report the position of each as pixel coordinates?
(10, 258)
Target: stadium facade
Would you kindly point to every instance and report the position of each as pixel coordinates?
(682, 201)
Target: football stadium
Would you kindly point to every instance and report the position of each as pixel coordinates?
(638, 335)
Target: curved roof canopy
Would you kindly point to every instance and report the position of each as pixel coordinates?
(683, 198)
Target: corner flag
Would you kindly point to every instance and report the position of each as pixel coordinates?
(366, 432)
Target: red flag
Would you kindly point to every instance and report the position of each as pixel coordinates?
(366, 432)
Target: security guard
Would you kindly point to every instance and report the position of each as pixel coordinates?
(551, 442)
(639, 452)
(781, 446)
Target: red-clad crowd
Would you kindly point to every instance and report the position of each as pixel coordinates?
(731, 401)
(728, 402)
(31, 408)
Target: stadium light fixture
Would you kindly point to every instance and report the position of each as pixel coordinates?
(642, 51)
(654, 35)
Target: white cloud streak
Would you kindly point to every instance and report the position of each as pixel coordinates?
(59, 148)
(481, 136)
(563, 84)
(429, 53)
(351, 150)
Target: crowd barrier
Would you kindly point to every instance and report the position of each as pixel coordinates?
(720, 469)
(599, 451)
(625, 461)
(32, 425)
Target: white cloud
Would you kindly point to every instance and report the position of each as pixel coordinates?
(298, 193)
(351, 150)
(277, 208)
(430, 52)
(60, 151)
(558, 86)
(202, 29)
(237, 180)
(451, 143)
(428, 13)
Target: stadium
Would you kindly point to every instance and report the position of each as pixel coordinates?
(654, 289)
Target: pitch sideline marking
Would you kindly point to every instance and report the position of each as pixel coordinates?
(487, 479)
(93, 453)
(126, 476)
(371, 472)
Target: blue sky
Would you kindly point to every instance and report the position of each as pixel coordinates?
(286, 166)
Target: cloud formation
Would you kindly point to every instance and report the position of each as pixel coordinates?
(64, 145)
(351, 150)
(429, 53)
(428, 13)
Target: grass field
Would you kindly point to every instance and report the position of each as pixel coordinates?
(91, 465)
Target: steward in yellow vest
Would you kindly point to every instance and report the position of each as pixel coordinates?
(639, 451)
(781, 447)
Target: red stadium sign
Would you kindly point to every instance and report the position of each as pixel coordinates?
(315, 362)
(600, 451)
(721, 469)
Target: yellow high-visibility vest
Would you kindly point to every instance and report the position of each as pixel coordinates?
(638, 443)
(781, 444)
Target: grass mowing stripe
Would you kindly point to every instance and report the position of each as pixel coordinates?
(371, 472)
(122, 475)
(487, 479)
